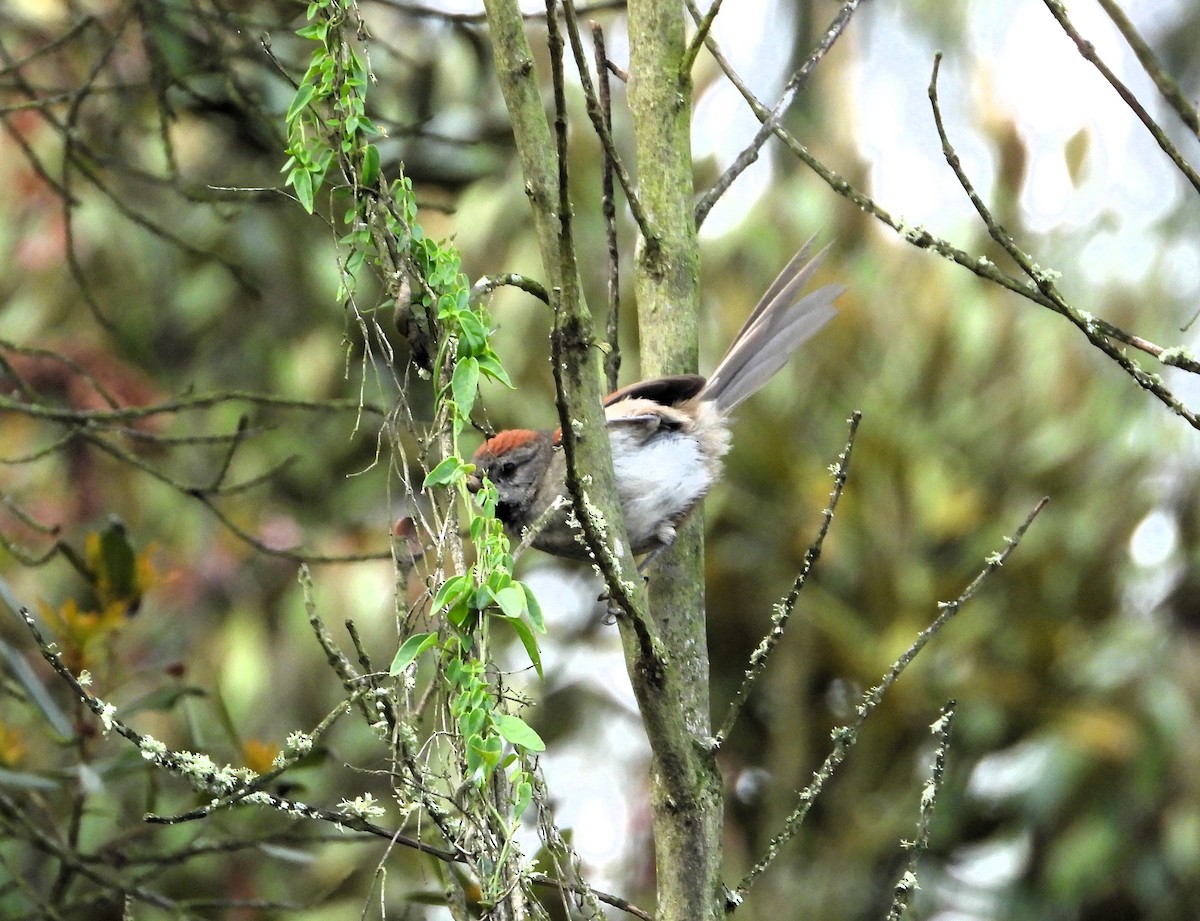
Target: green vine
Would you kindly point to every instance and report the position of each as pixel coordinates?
(327, 125)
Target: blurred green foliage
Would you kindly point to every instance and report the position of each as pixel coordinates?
(1072, 790)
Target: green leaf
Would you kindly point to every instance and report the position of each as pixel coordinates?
(447, 471)
(524, 797)
(474, 754)
(370, 167)
(302, 98)
(460, 613)
(452, 590)
(301, 180)
(482, 597)
(511, 600)
(483, 754)
(465, 384)
(499, 579)
(529, 641)
(317, 31)
(490, 366)
(493, 750)
(410, 649)
(472, 722)
(474, 334)
(518, 732)
(118, 562)
(534, 609)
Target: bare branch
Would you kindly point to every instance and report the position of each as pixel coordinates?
(597, 115)
(1044, 280)
(489, 283)
(703, 28)
(481, 18)
(783, 610)
(612, 358)
(907, 884)
(795, 84)
(181, 765)
(846, 736)
(1165, 82)
(570, 347)
(1088, 50)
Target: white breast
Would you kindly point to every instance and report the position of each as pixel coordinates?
(659, 479)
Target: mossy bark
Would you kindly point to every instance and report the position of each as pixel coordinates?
(666, 652)
(686, 785)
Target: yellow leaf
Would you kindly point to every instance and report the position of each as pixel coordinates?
(259, 756)
(12, 746)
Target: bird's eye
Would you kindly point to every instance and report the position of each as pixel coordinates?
(507, 468)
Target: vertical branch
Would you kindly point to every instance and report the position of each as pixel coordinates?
(907, 884)
(577, 383)
(531, 131)
(686, 794)
(595, 113)
(612, 360)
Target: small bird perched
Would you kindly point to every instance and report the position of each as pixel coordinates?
(667, 435)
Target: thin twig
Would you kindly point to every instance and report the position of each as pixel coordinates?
(12, 815)
(489, 283)
(621, 592)
(1088, 50)
(185, 403)
(844, 737)
(541, 879)
(1166, 84)
(239, 437)
(183, 766)
(250, 788)
(612, 331)
(596, 113)
(703, 28)
(428, 12)
(920, 237)
(795, 84)
(783, 610)
(1045, 280)
(205, 499)
(907, 884)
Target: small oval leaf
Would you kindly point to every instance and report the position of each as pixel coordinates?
(445, 472)
(465, 384)
(518, 732)
(511, 600)
(370, 167)
(535, 610)
(410, 649)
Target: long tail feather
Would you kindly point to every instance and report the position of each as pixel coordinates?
(779, 324)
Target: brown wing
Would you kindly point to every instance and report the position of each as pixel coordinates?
(669, 391)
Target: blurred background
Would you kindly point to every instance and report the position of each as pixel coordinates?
(181, 268)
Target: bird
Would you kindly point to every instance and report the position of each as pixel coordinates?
(667, 435)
